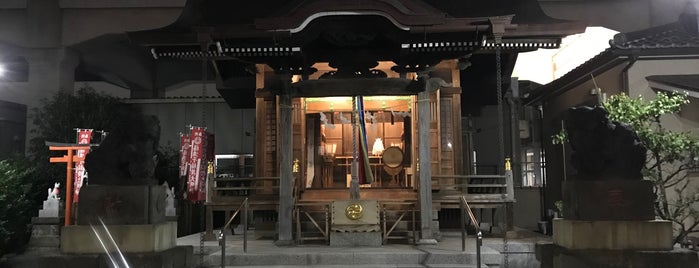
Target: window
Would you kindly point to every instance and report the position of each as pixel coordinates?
(532, 168)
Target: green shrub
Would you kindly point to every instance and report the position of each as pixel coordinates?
(20, 197)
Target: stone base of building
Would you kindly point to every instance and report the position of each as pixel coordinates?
(553, 256)
(613, 235)
(146, 238)
(176, 257)
(346, 239)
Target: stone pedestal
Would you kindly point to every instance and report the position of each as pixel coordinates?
(613, 235)
(134, 238)
(51, 208)
(608, 200)
(134, 216)
(355, 223)
(122, 205)
(610, 224)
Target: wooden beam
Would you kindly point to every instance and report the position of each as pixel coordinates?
(358, 86)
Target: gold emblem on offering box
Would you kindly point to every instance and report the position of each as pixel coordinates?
(354, 211)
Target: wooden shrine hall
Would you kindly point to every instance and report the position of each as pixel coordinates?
(418, 65)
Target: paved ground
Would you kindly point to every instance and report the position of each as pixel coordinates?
(447, 253)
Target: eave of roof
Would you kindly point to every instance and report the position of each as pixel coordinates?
(685, 81)
(207, 17)
(604, 61)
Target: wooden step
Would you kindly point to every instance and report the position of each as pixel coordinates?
(365, 193)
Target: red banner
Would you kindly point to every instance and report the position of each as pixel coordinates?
(208, 174)
(184, 154)
(197, 164)
(84, 137)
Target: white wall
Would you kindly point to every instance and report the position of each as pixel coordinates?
(638, 85)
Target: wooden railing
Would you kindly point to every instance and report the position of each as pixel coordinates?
(484, 192)
(227, 187)
(477, 187)
(394, 213)
(318, 214)
(227, 192)
(396, 217)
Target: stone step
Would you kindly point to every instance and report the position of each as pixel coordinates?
(360, 266)
(46, 230)
(370, 257)
(44, 241)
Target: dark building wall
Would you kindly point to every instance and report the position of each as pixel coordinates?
(234, 129)
(13, 124)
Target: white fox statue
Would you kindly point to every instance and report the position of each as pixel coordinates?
(53, 193)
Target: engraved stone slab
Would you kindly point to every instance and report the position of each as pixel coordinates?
(139, 204)
(608, 200)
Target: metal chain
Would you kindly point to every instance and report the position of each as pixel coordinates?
(501, 138)
(204, 79)
(501, 141)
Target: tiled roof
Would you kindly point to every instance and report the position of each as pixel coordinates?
(674, 35)
(678, 38)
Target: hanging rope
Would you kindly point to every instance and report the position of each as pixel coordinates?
(355, 155)
(354, 182)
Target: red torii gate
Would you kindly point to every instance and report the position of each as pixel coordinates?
(70, 158)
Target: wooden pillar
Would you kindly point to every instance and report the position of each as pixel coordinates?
(285, 167)
(68, 210)
(425, 173)
(209, 223)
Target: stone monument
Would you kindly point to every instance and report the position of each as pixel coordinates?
(608, 157)
(123, 200)
(608, 217)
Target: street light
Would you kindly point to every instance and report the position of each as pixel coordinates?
(2, 70)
